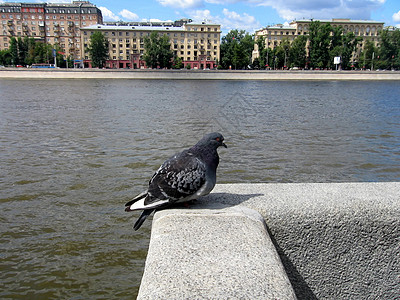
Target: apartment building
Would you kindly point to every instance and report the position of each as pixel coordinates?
(197, 44)
(274, 35)
(53, 23)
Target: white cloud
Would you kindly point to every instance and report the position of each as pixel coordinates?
(202, 15)
(224, 2)
(123, 15)
(128, 15)
(396, 16)
(295, 9)
(230, 20)
(108, 15)
(181, 3)
(234, 20)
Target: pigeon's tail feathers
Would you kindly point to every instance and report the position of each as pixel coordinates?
(134, 200)
(142, 218)
(139, 202)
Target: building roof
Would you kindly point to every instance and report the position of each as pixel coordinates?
(292, 25)
(73, 4)
(130, 27)
(280, 26)
(337, 20)
(179, 25)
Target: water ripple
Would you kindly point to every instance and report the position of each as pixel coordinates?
(69, 161)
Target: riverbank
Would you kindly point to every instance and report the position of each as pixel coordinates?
(196, 74)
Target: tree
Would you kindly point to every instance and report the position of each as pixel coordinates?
(349, 42)
(261, 61)
(336, 45)
(343, 45)
(236, 49)
(319, 36)
(267, 56)
(158, 51)
(367, 55)
(297, 53)
(178, 63)
(389, 49)
(14, 51)
(30, 46)
(5, 57)
(98, 49)
(43, 53)
(282, 54)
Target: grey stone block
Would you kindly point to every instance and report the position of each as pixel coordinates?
(212, 254)
(336, 240)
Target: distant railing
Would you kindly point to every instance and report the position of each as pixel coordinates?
(43, 66)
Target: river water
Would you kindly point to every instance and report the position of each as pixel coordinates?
(72, 152)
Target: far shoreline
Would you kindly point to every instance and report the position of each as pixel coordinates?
(23, 73)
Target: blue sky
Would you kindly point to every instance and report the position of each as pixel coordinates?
(247, 14)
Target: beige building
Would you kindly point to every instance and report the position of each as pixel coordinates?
(274, 35)
(198, 44)
(48, 22)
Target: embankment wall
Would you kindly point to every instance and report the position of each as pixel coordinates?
(195, 74)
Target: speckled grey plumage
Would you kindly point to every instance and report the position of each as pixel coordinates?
(185, 176)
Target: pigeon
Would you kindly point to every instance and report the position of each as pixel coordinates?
(183, 177)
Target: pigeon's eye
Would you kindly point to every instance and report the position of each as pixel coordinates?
(217, 139)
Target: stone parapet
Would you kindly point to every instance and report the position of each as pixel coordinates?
(195, 74)
(319, 241)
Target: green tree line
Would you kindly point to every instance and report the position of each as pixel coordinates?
(323, 42)
(27, 51)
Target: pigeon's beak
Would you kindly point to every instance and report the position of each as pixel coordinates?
(223, 144)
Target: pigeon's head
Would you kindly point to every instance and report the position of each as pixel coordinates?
(215, 139)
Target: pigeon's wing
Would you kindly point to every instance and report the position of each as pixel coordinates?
(179, 177)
